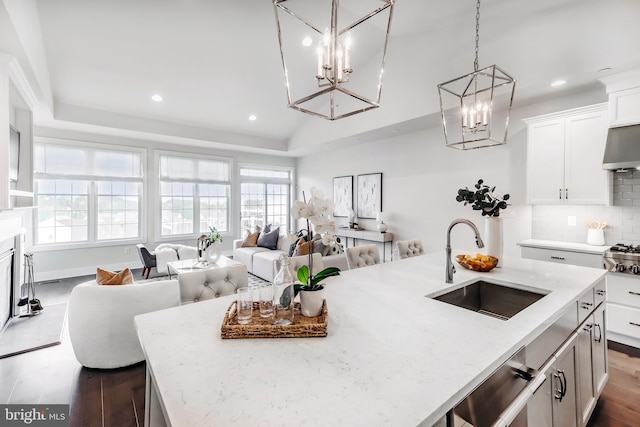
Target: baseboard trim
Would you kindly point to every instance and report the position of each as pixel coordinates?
(80, 271)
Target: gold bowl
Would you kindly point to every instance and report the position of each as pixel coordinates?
(480, 262)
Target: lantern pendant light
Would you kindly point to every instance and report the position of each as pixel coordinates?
(475, 108)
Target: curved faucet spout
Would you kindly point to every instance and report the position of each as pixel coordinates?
(450, 269)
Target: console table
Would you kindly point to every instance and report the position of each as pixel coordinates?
(368, 235)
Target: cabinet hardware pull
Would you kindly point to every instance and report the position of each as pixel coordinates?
(566, 194)
(634, 323)
(587, 327)
(586, 305)
(599, 338)
(634, 293)
(557, 257)
(558, 395)
(600, 292)
(564, 382)
(559, 193)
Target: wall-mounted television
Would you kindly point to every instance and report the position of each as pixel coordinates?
(14, 153)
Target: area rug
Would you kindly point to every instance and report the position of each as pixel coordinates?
(23, 334)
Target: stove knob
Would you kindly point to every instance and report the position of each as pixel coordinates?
(635, 269)
(621, 268)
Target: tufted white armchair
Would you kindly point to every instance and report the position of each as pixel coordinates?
(409, 248)
(200, 285)
(362, 256)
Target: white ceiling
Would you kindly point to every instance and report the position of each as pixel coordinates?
(216, 62)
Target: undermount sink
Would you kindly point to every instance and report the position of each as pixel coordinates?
(492, 299)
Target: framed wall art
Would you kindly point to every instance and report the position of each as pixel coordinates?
(342, 196)
(369, 192)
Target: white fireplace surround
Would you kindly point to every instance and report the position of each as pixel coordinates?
(13, 232)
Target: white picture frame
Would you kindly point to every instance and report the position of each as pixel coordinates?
(369, 192)
(342, 195)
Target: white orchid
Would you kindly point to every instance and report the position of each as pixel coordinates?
(328, 240)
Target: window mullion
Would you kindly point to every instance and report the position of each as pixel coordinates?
(92, 215)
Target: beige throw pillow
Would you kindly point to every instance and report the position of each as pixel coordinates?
(105, 277)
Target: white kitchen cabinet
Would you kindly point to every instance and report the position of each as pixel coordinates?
(562, 257)
(564, 157)
(624, 107)
(623, 309)
(563, 386)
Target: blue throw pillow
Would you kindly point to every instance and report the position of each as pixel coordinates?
(269, 240)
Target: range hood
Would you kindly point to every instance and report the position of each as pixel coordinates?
(622, 150)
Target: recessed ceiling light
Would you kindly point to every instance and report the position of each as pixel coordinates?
(307, 41)
(156, 98)
(252, 117)
(558, 83)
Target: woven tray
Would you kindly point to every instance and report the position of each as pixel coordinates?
(302, 327)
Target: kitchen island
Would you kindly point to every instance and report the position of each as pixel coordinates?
(392, 356)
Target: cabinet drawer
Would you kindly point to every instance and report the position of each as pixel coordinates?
(600, 292)
(563, 257)
(623, 290)
(623, 320)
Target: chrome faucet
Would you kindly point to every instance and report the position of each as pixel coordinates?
(450, 268)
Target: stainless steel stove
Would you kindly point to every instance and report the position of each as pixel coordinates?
(623, 259)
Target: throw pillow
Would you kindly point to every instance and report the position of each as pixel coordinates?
(269, 240)
(302, 248)
(105, 277)
(251, 240)
(267, 228)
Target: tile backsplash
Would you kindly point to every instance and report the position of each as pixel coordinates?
(623, 218)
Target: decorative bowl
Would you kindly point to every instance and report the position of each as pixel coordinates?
(482, 263)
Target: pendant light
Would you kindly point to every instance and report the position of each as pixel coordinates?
(475, 108)
(333, 54)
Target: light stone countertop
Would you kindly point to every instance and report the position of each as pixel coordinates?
(391, 357)
(565, 246)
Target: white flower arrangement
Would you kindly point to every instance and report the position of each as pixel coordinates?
(318, 212)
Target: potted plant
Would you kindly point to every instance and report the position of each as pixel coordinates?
(318, 212)
(482, 199)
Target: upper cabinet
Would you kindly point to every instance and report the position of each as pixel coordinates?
(624, 98)
(624, 107)
(564, 157)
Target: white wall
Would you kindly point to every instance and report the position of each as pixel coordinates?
(421, 177)
(52, 264)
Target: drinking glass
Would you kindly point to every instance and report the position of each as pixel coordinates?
(245, 305)
(266, 300)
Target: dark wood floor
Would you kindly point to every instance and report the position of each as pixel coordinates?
(115, 398)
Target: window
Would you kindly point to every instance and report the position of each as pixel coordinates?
(86, 194)
(264, 197)
(194, 194)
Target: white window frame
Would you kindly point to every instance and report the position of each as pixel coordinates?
(265, 180)
(93, 196)
(196, 200)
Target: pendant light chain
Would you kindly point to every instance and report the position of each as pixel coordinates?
(475, 63)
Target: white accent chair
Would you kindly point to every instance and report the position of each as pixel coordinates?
(363, 256)
(101, 326)
(409, 248)
(295, 262)
(212, 283)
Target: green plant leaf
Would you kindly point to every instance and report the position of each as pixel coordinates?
(303, 274)
(327, 272)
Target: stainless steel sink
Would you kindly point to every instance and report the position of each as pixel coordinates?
(492, 299)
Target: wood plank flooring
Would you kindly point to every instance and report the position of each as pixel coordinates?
(115, 398)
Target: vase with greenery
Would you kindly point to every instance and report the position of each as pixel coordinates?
(318, 212)
(213, 252)
(484, 200)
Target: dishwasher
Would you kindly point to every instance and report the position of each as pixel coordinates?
(513, 395)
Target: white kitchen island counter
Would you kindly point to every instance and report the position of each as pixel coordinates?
(391, 357)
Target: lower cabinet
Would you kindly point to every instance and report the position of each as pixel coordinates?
(592, 362)
(563, 385)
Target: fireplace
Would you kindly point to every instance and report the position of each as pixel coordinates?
(11, 250)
